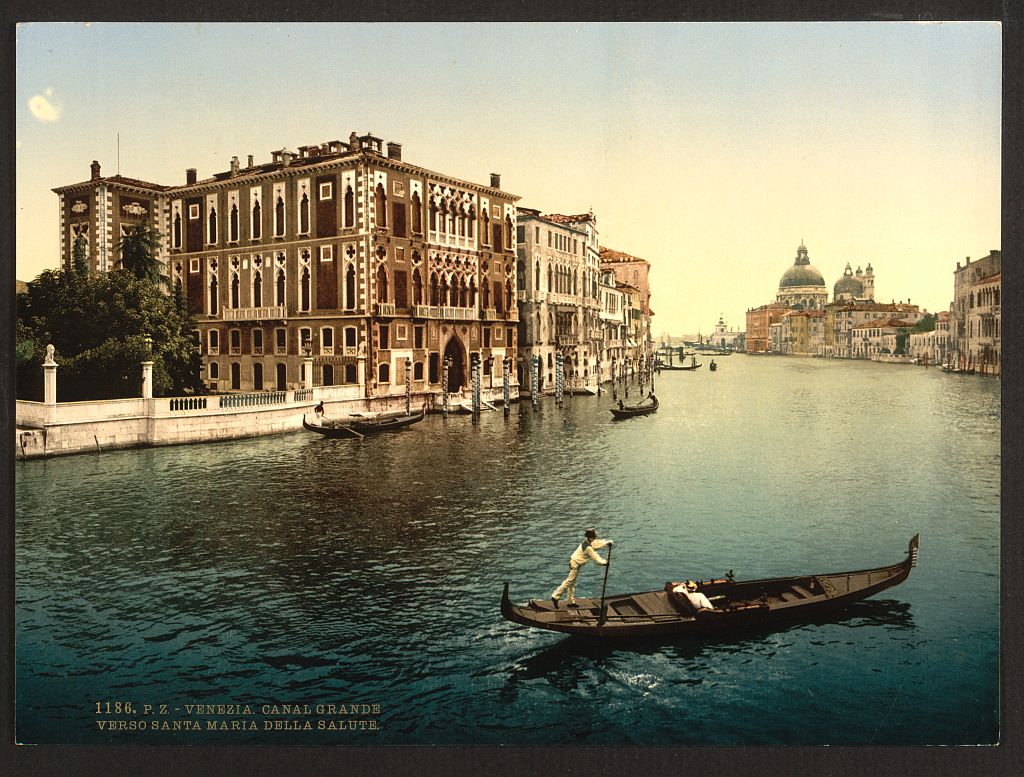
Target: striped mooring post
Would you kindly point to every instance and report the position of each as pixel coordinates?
(444, 387)
(476, 384)
(559, 378)
(506, 389)
(535, 381)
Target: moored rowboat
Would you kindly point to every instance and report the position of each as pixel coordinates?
(738, 606)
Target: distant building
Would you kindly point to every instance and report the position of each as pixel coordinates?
(634, 272)
(801, 332)
(759, 322)
(885, 337)
(559, 304)
(802, 287)
(843, 318)
(723, 337)
(975, 325)
(855, 287)
(933, 347)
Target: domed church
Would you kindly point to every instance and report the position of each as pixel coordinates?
(855, 288)
(802, 287)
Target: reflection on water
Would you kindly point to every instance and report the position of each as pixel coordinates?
(297, 568)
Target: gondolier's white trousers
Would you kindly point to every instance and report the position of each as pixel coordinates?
(569, 584)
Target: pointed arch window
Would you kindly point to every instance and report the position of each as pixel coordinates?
(453, 294)
(433, 215)
(279, 288)
(257, 289)
(279, 217)
(472, 292)
(536, 281)
(509, 233)
(463, 294)
(382, 284)
(417, 214)
(417, 287)
(549, 277)
(213, 296)
(350, 288)
(257, 220)
(235, 301)
(350, 207)
(304, 301)
(212, 226)
(233, 224)
(508, 295)
(380, 205)
(472, 221)
(485, 295)
(304, 214)
(177, 230)
(434, 290)
(485, 230)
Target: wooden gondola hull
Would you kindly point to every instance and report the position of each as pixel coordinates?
(365, 427)
(635, 410)
(740, 607)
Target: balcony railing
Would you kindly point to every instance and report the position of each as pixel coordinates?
(384, 309)
(459, 314)
(254, 314)
(489, 314)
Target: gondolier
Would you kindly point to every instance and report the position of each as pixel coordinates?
(587, 551)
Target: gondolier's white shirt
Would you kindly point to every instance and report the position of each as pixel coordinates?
(582, 554)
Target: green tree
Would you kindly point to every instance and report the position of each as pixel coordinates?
(80, 256)
(98, 325)
(138, 250)
(926, 324)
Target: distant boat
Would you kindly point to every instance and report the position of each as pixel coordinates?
(712, 366)
(737, 606)
(629, 411)
(695, 365)
(361, 427)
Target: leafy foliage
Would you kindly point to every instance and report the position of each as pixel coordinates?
(138, 250)
(927, 323)
(98, 325)
(80, 256)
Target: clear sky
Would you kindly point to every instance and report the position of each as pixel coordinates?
(709, 149)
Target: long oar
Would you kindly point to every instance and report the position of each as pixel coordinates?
(604, 587)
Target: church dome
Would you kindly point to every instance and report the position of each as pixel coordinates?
(848, 285)
(802, 273)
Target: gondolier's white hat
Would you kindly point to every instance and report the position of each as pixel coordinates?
(691, 585)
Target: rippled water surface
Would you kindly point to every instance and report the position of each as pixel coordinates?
(295, 569)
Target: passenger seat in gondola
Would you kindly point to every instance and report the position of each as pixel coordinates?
(680, 600)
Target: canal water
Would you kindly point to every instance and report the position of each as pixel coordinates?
(294, 570)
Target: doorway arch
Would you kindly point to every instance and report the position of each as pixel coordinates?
(457, 371)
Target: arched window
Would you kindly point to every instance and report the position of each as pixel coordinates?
(304, 301)
(177, 230)
(236, 376)
(417, 214)
(213, 295)
(213, 225)
(384, 373)
(350, 207)
(434, 292)
(453, 293)
(472, 220)
(304, 214)
(433, 215)
(508, 232)
(257, 289)
(442, 211)
(549, 277)
(443, 291)
(472, 292)
(380, 204)
(417, 287)
(508, 294)
(235, 302)
(257, 377)
(279, 217)
(350, 288)
(279, 288)
(485, 230)
(233, 224)
(257, 220)
(485, 294)
(382, 284)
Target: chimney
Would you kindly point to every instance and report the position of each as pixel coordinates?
(353, 142)
(286, 158)
(190, 176)
(395, 151)
(495, 181)
(234, 165)
(250, 160)
(94, 168)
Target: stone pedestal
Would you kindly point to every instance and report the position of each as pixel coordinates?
(307, 371)
(147, 380)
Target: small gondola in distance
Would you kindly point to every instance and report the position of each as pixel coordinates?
(631, 411)
(738, 606)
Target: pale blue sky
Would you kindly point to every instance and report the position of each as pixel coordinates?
(709, 149)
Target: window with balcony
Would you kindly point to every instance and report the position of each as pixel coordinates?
(257, 341)
(213, 342)
(281, 340)
(382, 284)
(257, 289)
(350, 336)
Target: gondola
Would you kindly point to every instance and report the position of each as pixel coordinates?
(738, 606)
(361, 427)
(629, 411)
(694, 366)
